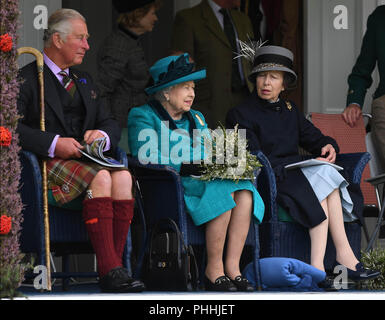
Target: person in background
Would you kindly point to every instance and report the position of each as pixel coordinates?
(209, 32)
(225, 207)
(122, 69)
(316, 196)
(74, 113)
(360, 79)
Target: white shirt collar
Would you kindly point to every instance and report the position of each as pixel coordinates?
(215, 7)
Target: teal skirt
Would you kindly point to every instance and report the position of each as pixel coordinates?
(206, 200)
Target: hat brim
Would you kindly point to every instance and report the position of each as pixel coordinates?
(259, 68)
(194, 76)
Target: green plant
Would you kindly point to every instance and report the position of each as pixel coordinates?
(375, 260)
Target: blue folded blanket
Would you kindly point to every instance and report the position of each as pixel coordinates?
(285, 274)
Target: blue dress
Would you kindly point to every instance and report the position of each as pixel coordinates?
(205, 200)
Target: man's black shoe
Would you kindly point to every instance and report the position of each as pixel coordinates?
(117, 280)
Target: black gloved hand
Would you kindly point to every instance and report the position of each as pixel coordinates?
(188, 169)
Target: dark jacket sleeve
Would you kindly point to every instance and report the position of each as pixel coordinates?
(28, 103)
(360, 78)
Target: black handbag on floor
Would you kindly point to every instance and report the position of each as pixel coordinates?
(169, 265)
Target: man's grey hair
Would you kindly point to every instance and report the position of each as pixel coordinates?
(59, 22)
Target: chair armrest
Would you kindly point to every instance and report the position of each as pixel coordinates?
(375, 181)
(267, 187)
(353, 164)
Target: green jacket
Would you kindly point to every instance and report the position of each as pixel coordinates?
(197, 31)
(372, 52)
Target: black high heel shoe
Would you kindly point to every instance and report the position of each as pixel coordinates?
(242, 284)
(361, 273)
(222, 283)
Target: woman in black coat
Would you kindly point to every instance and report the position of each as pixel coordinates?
(315, 196)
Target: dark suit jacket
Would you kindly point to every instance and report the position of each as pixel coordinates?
(30, 135)
(197, 31)
(372, 52)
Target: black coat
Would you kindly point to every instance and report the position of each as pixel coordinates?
(31, 137)
(277, 130)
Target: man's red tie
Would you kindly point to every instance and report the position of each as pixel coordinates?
(68, 83)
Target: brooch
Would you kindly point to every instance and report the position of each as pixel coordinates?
(94, 95)
(200, 120)
(288, 105)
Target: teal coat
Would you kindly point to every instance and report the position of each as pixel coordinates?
(152, 141)
(372, 52)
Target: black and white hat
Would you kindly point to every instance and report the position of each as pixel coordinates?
(268, 58)
(273, 58)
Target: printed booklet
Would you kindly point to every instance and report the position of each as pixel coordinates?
(94, 151)
(311, 162)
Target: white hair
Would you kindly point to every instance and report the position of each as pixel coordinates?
(160, 95)
(59, 22)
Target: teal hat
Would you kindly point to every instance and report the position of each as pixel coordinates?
(172, 70)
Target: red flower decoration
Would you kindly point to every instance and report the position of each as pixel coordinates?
(5, 43)
(5, 137)
(5, 224)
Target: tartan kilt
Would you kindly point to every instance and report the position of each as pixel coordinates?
(68, 179)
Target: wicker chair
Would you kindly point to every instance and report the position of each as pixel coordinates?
(350, 140)
(68, 234)
(162, 194)
(280, 237)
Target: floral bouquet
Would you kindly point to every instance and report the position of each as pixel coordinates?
(230, 158)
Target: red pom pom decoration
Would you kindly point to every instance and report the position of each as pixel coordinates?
(5, 224)
(5, 137)
(5, 43)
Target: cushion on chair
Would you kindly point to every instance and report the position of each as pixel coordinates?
(286, 274)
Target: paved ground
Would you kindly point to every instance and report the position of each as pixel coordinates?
(91, 291)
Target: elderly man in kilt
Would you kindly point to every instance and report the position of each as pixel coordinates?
(74, 113)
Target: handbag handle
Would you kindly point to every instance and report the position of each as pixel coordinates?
(161, 224)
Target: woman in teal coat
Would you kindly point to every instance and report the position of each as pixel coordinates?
(167, 131)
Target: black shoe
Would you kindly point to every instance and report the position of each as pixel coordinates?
(361, 273)
(117, 280)
(222, 283)
(242, 284)
(327, 284)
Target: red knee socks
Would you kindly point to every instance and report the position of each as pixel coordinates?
(123, 214)
(98, 217)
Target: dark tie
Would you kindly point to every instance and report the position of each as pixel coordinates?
(236, 82)
(68, 83)
(256, 16)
